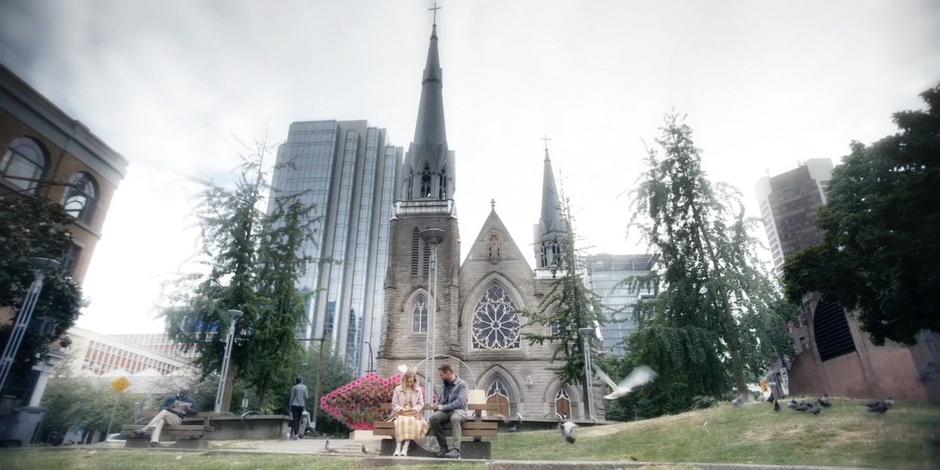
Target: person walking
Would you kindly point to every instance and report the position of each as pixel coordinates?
(298, 401)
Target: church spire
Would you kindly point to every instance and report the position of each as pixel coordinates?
(430, 126)
(428, 170)
(551, 232)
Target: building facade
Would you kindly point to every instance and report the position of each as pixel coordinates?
(618, 281)
(788, 204)
(159, 343)
(347, 171)
(473, 311)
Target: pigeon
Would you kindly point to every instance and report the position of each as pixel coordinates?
(737, 402)
(567, 430)
(880, 407)
(889, 403)
(792, 404)
(776, 406)
(824, 401)
(364, 449)
(326, 445)
(802, 406)
(815, 410)
(639, 377)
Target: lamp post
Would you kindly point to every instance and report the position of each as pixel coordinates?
(371, 364)
(433, 237)
(42, 266)
(230, 337)
(587, 334)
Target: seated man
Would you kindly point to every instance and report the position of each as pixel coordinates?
(451, 407)
(174, 408)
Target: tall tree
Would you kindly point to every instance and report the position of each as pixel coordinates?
(569, 305)
(881, 252)
(712, 324)
(253, 261)
(32, 227)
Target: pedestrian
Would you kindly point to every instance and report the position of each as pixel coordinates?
(298, 401)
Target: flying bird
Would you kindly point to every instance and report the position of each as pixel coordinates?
(567, 430)
(824, 401)
(639, 377)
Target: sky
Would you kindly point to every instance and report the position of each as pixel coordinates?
(175, 85)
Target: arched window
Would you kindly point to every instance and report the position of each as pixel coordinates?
(23, 164)
(415, 254)
(81, 197)
(426, 181)
(495, 322)
(442, 187)
(419, 321)
(497, 394)
(562, 404)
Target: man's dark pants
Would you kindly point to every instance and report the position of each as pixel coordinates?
(296, 412)
(437, 427)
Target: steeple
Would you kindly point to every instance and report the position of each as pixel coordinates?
(550, 232)
(428, 171)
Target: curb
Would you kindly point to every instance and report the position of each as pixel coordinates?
(378, 462)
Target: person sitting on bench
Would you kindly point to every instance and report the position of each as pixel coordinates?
(451, 407)
(174, 409)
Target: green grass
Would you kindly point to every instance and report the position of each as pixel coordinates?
(121, 459)
(908, 436)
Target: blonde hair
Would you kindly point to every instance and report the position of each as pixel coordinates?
(404, 378)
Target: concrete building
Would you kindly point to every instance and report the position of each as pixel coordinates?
(347, 170)
(479, 320)
(103, 354)
(788, 204)
(46, 153)
(610, 277)
(159, 343)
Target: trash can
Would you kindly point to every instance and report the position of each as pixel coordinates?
(18, 427)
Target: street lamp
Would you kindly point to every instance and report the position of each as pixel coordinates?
(433, 237)
(230, 337)
(371, 364)
(42, 266)
(587, 334)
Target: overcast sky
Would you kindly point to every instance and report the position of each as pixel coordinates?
(169, 83)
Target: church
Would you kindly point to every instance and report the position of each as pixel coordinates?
(479, 326)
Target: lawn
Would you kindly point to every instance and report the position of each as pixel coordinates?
(908, 436)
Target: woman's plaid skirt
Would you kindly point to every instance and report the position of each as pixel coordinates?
(410, 427)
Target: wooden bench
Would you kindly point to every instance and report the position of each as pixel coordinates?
(187, 436)
(473, 427)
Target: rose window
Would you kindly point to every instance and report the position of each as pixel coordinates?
(495, 322)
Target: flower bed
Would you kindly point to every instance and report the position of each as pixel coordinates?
(359, 403)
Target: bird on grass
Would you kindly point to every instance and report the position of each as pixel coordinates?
(815, 409)
(567, 430)
(792, 405)
(364, 449)
(824, 401)
(737, 402)
(878, 406)
(639, 377)
(326, 445)
(802, 406)
(776, 406)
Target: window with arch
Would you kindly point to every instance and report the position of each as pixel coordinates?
(426, 181)
(81, 197)
(498, 395)
(442, 187)
(495, 323)
(24, 164)
(419, 315)
(562, 403)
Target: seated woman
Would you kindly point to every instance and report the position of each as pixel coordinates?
(407, 405)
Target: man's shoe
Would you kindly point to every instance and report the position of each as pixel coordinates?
(441, 453)
(453, 454)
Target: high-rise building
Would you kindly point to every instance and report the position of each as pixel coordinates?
(788, 204)
(160, 343)
(348, 172)
(617, 280)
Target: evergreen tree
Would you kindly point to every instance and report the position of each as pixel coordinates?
(569, 305)
(253, 262)
(717, 318)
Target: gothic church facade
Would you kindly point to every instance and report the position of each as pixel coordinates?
(479, 323)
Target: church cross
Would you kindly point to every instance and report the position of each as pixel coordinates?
(435, 11)
(493, 204)
(545, 139)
